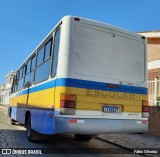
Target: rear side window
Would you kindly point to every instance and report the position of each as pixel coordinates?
(55, 52)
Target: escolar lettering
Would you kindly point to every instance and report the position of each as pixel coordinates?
(107, 94)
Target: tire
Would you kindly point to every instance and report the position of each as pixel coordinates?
(13, 122)
(32, 135)
(29, 131)
(80, 137)
(9, 111)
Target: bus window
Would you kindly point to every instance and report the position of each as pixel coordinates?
(16, 81)
(24, 70)
(13, 85)
(33, 63)
(55, 52)
(29, 75)
(42, 72)
(40, 56)
(21, 79)
(28, 67)
(20, 84)
(17, 76)
(20, 74)
(43, 66)
(47, 50)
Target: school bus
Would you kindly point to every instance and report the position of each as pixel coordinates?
(84, 78)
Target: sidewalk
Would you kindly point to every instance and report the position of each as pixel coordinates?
(4, 105)
(133, 140)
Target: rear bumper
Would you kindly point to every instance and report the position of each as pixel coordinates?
(100, 125)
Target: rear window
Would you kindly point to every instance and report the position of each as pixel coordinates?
(99, 53)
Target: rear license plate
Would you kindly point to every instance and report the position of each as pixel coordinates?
(111, 109)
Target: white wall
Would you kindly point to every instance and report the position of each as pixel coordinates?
(154, 64)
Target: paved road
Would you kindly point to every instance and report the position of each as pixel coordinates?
(14, 136)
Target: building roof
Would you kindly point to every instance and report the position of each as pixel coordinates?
(11, 73)
(151, 34)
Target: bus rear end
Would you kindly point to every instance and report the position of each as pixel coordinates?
(104, 89)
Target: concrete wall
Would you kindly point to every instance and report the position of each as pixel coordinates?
(153, 58)
(154, 73)
(153, 49)
(154, 121)
(6, 89)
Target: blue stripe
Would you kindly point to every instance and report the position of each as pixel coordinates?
(43, 86)
(99, 86)
(68, 82)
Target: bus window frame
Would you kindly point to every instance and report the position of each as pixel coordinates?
(50, 38)
(27, 72)
(39, 50)
(20, 73)
(16, 80)
(34, 63)
(53, 47)
(24, 67)
(13, 84)
(30, 69)
(20, 78)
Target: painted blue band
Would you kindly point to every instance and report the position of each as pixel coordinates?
(69, 82)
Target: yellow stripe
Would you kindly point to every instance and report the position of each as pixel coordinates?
(85, 99)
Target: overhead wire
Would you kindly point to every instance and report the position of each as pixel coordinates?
(21, 23)
(5, 48)
(18, 30)
(19, 26)
(5, 52)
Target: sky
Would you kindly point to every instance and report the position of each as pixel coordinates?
(25, 23)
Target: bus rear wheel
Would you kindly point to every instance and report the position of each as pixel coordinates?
(13, 122)
(30, 132)
(80, 137)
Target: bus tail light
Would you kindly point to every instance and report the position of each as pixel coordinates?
(68, 104)
(68, 97)
(145, 108)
